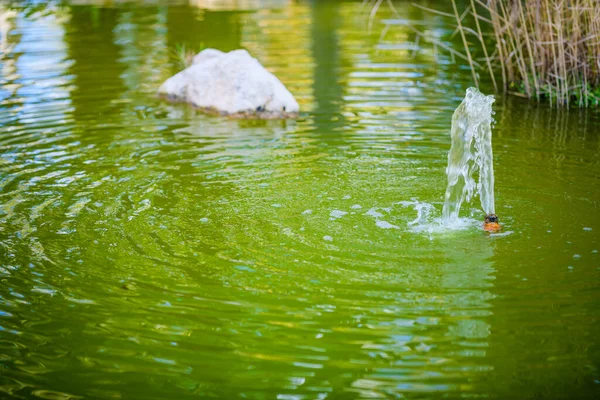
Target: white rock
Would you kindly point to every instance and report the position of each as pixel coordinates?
(206, 54)
(233, 84)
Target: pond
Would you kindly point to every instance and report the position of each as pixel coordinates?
(151, 252)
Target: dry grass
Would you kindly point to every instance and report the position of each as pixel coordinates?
(543, 49)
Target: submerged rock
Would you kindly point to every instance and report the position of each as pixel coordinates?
(233, 84)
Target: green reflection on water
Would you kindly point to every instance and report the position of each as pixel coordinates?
(152, 252)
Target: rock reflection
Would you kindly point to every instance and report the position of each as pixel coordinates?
(7, 24)
(239, 5)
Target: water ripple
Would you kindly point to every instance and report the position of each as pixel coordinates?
(150, 251)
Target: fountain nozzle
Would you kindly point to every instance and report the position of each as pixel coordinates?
(491, 224)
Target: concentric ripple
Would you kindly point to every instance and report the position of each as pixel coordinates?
(150, 252)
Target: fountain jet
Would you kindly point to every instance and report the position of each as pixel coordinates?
(471, 152)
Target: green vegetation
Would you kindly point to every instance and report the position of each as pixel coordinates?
(183, 56)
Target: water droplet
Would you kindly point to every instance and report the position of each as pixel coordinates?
(385, 225)
(244, 268)
(423, 347)
(328, 238)
(374, 213)
(337, 213)
(164, 361)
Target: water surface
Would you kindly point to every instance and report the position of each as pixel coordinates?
(151, 252)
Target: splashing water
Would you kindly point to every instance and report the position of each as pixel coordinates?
(428, 219)
(471, 152)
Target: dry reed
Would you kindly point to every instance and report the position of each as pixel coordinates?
(543, 48)
(540, 48)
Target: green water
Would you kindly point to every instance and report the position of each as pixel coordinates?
(150, 252)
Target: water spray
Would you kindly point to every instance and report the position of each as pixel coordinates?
(471, 152)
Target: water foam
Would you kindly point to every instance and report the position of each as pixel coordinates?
(429, 219)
